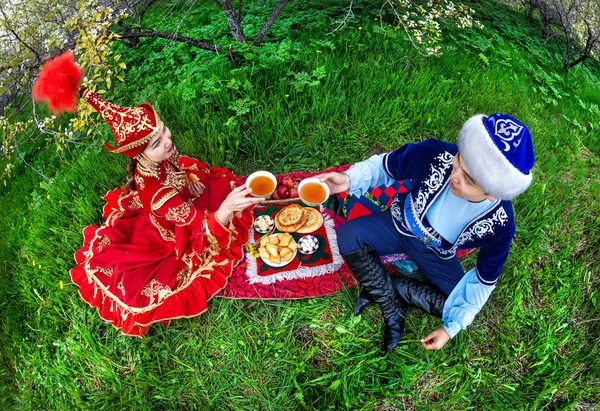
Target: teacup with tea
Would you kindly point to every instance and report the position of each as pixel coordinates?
(262, 183)
(313, 191)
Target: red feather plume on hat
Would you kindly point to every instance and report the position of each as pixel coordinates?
(58, 83)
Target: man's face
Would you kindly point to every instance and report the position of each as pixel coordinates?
(462, 184)
(160, 147)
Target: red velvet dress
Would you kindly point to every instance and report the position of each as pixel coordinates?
(161, 254)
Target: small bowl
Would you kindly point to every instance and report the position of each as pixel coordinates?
(264, 221)
(313, 181)
(265, 176)
(308, 244)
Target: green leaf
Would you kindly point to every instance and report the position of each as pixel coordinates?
(485, 60)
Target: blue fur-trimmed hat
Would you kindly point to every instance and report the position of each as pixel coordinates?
(498, 153)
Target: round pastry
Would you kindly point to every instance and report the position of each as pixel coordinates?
(314, 221)
(290, 218)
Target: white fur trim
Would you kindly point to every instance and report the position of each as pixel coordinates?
(486, 163)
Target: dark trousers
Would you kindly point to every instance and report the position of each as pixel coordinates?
(378, 232)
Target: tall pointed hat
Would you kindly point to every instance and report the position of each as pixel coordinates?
(58, 84)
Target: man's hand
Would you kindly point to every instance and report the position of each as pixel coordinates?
(337, 182)
(436, 339)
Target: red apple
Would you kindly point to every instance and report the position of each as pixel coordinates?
(287, 181)
(293, 192)
(283, 192)
(296, 183)
(275, 195)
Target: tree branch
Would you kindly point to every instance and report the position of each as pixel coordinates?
(187, 40)
(269, 22)
(234, 19)
(576, 62)
(349, 15)
(19, 38)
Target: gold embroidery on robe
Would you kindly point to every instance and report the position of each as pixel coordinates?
(103, 243)
(135, 203)
(179, 214)
(161, 197)
(108, 271)
(139, 182)
(155, 288)
(166, 234)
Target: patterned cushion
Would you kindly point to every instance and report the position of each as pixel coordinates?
(375, 200)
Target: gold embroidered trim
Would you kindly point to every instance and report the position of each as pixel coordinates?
(136, 203)
(155, 288)
(147, 167)
(114, 116)
(214, 243)
(207, 264)
(166, 235)
(103, 243)
(174, 177)
(139, 182)
(162, 200)
(179, 214)
(108, 271)
(175, 157)
(141, 141)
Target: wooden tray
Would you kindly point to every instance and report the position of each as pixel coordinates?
(285, 201)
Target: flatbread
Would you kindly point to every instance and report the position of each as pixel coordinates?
(290, 215)
(313, 222)
(290, 218)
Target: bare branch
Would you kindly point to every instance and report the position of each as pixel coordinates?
(169, 36)
(18, 37)
(269, 22)
(349, 15)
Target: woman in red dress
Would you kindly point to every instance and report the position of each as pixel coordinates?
(171, 238)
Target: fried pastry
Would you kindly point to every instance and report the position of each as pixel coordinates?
(272, 250)
(278, 253)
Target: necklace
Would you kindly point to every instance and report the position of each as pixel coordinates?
(166, 173)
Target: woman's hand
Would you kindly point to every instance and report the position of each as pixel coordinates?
(337, 182)
(235, 201)
(196, 188)
(436, 339)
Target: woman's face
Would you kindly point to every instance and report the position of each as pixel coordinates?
(160, 147)
(462, 184)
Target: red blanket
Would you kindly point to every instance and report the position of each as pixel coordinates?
(323, 272)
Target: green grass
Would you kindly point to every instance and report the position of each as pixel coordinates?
(534, 345)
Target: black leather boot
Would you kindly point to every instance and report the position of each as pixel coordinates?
(362, 301)
(377, 283)
(427, 297)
